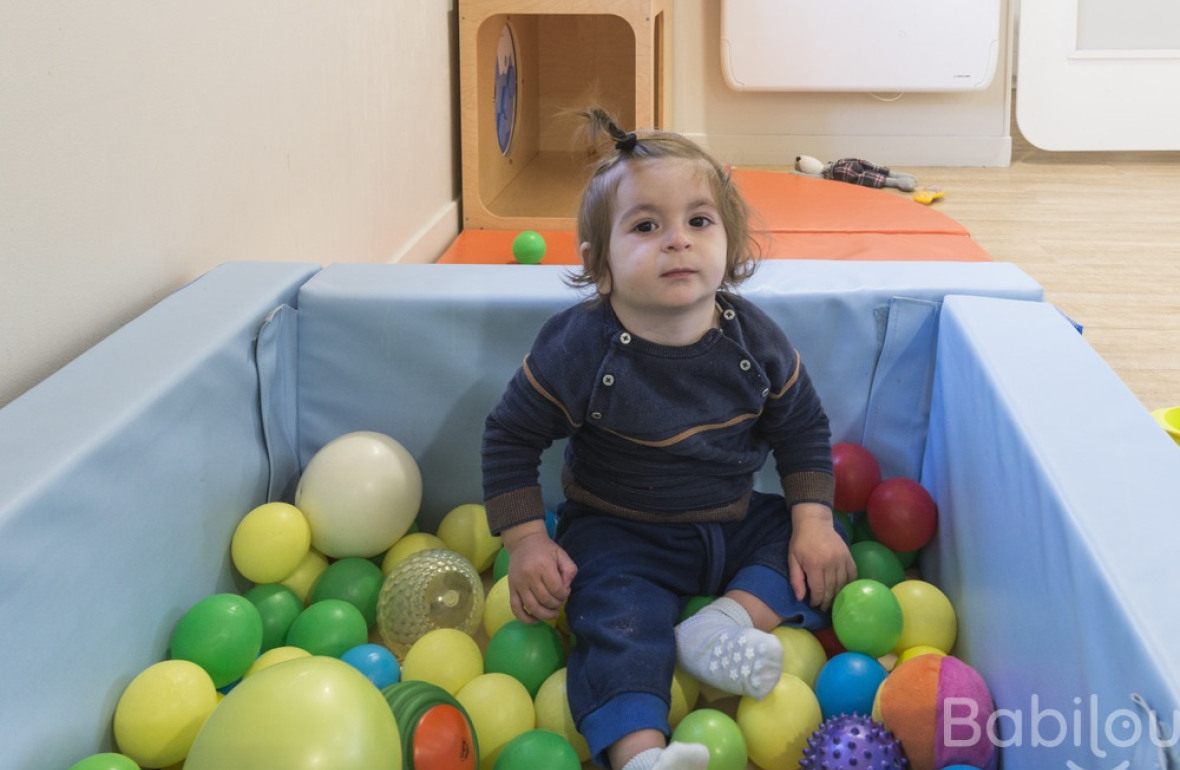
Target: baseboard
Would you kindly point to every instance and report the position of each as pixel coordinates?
(433, 238)
(780, 150)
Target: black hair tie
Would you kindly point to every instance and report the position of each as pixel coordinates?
(627, 143)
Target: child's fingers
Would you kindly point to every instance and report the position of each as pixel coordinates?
(797, 578)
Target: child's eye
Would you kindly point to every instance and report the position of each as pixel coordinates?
(646, 226)
(700, 221)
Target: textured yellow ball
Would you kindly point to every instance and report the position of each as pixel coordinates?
(553, 713)
(686, 690)
(777, 727)
(273, 656)
(270, 542)
(161, 711)
(409, 545)
(500, 709)
(803, 655)
(465, 529)
(927, 617)
(446, 657)
(309, 570)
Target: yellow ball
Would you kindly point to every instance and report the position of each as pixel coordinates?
(927, 617)
(497, 607)
(446, 657)
(309, 570)
(553, 713)
(161, 710)
(918, 649)
(803, 655)
(500, 709)
(465, 529)
(686, 690)
(270, 542)
(408, 546)
(304, 714)
(777, 727)
(275, 655)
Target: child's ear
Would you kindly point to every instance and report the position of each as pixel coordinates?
(603, 283)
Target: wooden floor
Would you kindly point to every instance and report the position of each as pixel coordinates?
(1101, 233)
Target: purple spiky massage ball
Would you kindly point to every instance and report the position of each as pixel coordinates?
(853, 742)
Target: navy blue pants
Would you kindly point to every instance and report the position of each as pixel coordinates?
(633, 581)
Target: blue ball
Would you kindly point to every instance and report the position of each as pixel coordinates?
(377, 663)
(848, 683)
(551, 522)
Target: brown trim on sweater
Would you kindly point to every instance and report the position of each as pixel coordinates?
(790, 380)
(688, 432)
(528, 373)
(735, 511)
(809, 487)
(516, 507)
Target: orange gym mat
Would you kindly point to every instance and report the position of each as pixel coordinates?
(794, 217)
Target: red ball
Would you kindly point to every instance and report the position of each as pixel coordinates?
(857, 474)
(902, 514)
(829, 641)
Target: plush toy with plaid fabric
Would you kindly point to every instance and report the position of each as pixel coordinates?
(856, 171)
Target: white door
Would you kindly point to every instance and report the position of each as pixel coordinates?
(1099, 74)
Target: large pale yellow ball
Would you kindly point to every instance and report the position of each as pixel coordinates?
(803, 655)
(553, 713)
(927, 617)
(161, 711)
(302, 580)
(446, 657)
(408, 546)
(500, 709)
(465, 529)
(273, 656)
(269, 542)
(686, 690)
(777, 727)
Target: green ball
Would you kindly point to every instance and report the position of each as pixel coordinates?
(907, 558)
(717, 731)
(867, 617)
(528, 652)
(278, 606)
(695, 605)
(860, 528)
(354, 580)
(222, 634)
(535, 749)
(528, 248)
(328, 627)
(105, 761)
(876, 562)
(500, 566)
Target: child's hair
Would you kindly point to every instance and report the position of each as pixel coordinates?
(595, 211)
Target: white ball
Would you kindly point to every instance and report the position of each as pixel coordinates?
(360, 493)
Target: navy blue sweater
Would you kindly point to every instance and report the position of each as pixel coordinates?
(657, 433)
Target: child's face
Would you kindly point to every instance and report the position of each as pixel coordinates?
(667, 243)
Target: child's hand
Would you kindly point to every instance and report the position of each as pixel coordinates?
(539, 572)
(817, 557)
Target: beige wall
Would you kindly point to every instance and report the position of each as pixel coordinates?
(142, 142)
(917, 129)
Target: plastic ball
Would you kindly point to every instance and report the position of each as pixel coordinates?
(867, 617)
(360, 493)
(529, 652)
(105, 761)
(776, 728)
(329, 627)
(925, 691)
(876, 562)
(686, 691)
(719, 733)
(927, 617)
(354, 580)
(407, 546)
(803, 653)
(847, 684)
(695, 604)
(436, 732)
(828, 640)
(902, 514)
(278, 606)
(553, 712)
(161, 711)
(537, 749)
(429, 590)
(528, 247)
(222, 634)
(500, 708)
(500, 565)
(273, 657)
(303, 579)
(857, 473)
(465, 531)
(497, 607)
(269, 542)
(852, 742)
(445, 657)
(377, 663)
(304, 714)
(916, 650)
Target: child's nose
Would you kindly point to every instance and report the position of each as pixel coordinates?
(676, 237)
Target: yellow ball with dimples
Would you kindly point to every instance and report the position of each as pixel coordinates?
(465, 529)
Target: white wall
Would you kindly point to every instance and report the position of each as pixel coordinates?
(142, 142)
(916, 129)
